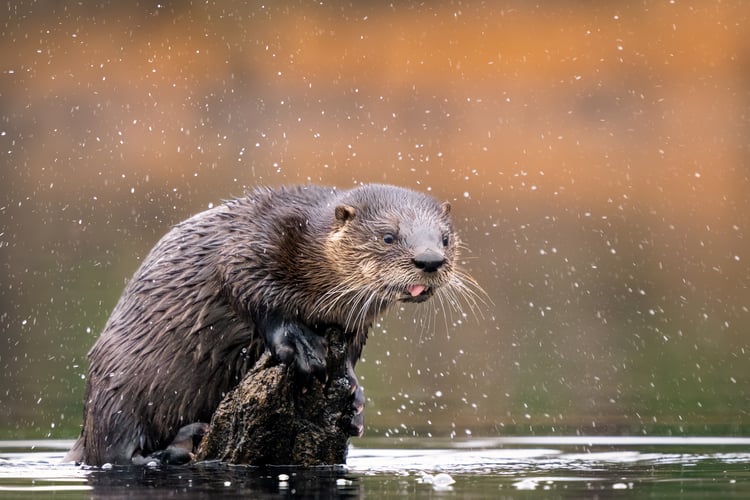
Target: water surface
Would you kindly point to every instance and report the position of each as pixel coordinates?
(514, 467)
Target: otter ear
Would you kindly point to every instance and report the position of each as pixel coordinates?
(345, 213)
(446, 208)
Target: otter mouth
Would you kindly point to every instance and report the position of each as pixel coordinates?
(416, 293)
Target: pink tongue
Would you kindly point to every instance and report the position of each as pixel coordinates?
(415, 290)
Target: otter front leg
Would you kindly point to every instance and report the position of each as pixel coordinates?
(293, 342)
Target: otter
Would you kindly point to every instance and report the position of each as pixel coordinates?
(263, 272)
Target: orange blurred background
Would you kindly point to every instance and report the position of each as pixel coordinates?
(596, 154)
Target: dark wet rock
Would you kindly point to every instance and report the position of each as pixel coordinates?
(270, 418)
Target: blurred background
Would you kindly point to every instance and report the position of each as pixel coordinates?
(597, 156)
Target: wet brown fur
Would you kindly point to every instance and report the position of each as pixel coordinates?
(182, 334)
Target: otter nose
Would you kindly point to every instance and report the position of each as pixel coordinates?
(428, 261)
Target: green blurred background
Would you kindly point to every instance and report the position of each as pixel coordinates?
(596, 154)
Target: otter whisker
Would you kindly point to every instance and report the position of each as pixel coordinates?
(334, 298)
(439, 296)
(473, 294)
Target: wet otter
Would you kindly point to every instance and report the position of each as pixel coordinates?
(266, 271)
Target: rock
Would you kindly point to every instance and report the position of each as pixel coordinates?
(270, 419)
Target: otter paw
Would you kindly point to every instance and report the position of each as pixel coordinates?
(292, 342)
(180, 451)
(357, 424)
(172, 455)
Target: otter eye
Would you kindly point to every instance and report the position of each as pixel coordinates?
(446, 240)
(388, 238)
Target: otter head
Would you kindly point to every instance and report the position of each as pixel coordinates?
(389, 244)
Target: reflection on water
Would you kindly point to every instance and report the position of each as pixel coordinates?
(523, 467)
